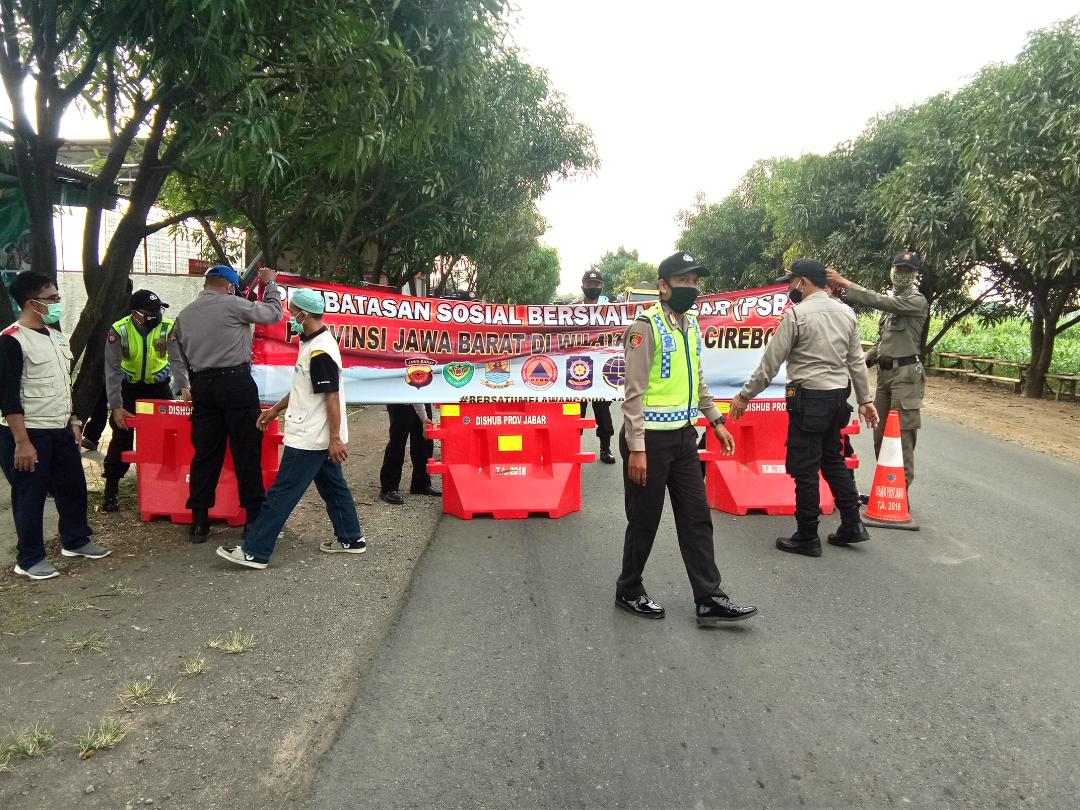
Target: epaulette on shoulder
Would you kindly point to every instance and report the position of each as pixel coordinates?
(11, 330)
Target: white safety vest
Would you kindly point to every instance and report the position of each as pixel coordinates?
(306, 426)
(45, 388)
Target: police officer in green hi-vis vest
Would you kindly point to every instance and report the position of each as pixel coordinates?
(141, 356)
(665, 391)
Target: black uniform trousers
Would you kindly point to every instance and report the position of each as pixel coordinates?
(602, 411)
(405, 426)
(59, 472)
(226, 409)
(814, 444)
(674, 466)
(95, 423)
(123, 440)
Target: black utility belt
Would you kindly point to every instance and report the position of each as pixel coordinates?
(887, 363)
(206, 373)
(799, 392)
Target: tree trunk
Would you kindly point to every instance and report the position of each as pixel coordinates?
(7, 311)
(1043, 327)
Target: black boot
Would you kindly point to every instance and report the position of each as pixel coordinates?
(110, 500)
(804, 541)
(849, 533)
(605, 454)
(200, 525)
(252, 516)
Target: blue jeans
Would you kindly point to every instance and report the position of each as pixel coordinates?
(59, 472)
(299, 468)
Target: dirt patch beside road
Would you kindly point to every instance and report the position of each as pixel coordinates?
(1039, 424)
(243, 732)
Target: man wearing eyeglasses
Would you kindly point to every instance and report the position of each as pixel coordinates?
(39, 437)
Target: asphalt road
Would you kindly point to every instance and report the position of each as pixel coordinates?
(928, 669)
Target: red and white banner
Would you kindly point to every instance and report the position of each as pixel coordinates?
(396, 348)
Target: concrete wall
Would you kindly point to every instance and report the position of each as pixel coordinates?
(175, 290)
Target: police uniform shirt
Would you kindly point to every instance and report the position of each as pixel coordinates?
(819, 339)
(902, 320)
(114, 375)
(214, 330)
(639, 346)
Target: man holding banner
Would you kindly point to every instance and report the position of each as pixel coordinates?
(592, 289)
(664, 392)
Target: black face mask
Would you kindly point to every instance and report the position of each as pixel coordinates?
(591, 293)
(682, 298)
(150, 321)
(795, 296)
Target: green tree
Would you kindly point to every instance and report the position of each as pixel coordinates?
(611, 267)
(1021, 150)
(636, 274)
(531, 280)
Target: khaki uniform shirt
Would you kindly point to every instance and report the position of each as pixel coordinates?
(639, 362)
(214, 330)
(819, 340)
(902, 321)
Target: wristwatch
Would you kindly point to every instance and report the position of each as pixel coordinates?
(720, 420)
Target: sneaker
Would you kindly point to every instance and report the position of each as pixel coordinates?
(337, 546)
(91, 550)
(39, 570)
(240, 557)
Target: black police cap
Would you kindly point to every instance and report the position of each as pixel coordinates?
(144, 299)
(907, 259)
(678, 264)
(810, 269)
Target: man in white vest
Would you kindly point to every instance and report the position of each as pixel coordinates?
(316, 435)
(39, 437)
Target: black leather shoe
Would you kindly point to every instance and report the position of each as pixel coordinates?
(606, 457)
(110, 503)
(719, 609)
(428, 490)
(864, 500)
(200, 525)
(845, 536)
(392, 497)
(796, 545)
(640, 606)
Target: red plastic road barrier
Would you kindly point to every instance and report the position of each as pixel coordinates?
(163, 454)
(755, 479)
(511, 460)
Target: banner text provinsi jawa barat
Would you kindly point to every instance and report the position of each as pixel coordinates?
(398, 348)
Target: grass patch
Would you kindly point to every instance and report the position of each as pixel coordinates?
(195, 666)
(139, 693)
(32, 741)
(108, 734)
(94, 641)
(236, 642)
(17, 617)
(168, 697)
(125, 588)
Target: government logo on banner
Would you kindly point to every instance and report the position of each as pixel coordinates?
(418, 371)
(497, 374)
(614, 372)
(539, 372)
(458, 374)
(579, 373)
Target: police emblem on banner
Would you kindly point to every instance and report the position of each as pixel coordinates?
(539, 372)
(497, 374)
(614, 372)
(579, 372)
(418, 371)
(458, 374)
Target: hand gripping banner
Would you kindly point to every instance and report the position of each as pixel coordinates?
(397, 348)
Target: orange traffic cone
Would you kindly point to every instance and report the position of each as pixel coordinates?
(888, 507)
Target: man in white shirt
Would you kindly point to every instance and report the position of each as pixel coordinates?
(316, 435)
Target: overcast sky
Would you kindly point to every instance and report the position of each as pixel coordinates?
(683, 96)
